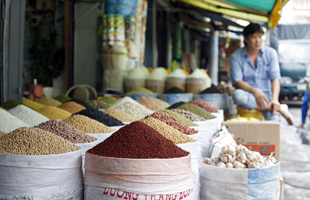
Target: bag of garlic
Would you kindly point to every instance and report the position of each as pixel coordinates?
(240, 174)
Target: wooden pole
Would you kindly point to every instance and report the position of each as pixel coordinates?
(67, 43)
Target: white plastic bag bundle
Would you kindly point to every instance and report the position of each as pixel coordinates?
(53, 177)
(219, 115)
(207, 129)
(239, 184)
(139, 176)
(194, 149)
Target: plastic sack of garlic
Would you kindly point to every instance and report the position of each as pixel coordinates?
(240, 157)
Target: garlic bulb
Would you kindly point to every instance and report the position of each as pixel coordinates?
(208, 161)
(221, 164)
(226, 158)
(229, 165)
(231, 149)
(224, 149)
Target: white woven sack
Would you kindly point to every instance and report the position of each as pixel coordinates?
(140, 176)
(196, 136)
(219, 115)
(194, 149)
(239, 184)
(86, 146)
(53, 177)
(95, 193)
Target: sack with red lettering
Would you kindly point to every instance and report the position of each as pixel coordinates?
(114, 194)
(141, 178)
(194, 149)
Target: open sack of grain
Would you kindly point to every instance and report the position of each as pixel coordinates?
(37, 164)
(137, 161)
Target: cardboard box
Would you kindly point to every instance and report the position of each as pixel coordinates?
(262, 136)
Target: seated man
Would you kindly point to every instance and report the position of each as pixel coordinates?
(256, 76)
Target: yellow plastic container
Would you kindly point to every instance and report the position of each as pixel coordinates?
(250, 113)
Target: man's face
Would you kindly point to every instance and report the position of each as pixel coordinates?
(254, 41)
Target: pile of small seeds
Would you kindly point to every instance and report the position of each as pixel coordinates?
(124, 117)
(100, 117)
(167, 131)
(171, 121)
(9, 123)
(179, 117)
(83, 103)
(53, 112)
(35, 141)
(72, 107)
(140, 90)
(108, 100)
(62, 98)
(205, 105)
(66, 131)
(130, 106)
(162, 103)
(28, 115)
(196, 110)
(87, 125)
(32, 104)
(98, 104)
(175, 105)
(10, 104)
(138, 141)
(189, 115)
(49, 102)
(149, 104)
(2, 133)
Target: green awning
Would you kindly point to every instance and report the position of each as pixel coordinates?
(265, 11)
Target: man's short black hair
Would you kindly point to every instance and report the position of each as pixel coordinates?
(251, 29)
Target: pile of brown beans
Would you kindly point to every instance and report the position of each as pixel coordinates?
(65, 131)
(167, 131)
(189, 115)
(171, 121)
(149, 104)
(205, 105)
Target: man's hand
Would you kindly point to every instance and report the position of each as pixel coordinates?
(275, 106)
(261, 98)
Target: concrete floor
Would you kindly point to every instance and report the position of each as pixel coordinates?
(295, 158)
